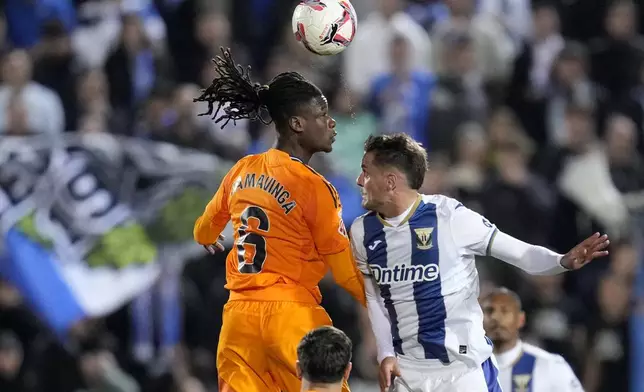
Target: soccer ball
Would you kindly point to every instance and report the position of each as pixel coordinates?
(325, 27)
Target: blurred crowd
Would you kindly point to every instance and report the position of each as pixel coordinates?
(532, 113)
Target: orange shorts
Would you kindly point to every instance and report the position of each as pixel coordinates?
(257, 348)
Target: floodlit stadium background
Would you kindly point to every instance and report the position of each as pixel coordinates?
(533, 114)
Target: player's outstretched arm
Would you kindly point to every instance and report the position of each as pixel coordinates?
(475, 235)
(537, 260)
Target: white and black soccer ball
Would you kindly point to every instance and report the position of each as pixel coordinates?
(325, 27)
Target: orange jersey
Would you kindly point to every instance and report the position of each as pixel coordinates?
(286, 219)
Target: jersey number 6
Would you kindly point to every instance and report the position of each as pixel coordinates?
(255, 240)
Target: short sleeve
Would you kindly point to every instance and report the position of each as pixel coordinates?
(323, 216)
(471, 232)
(357, 245)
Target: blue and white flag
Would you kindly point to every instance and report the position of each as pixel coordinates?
(82, 218)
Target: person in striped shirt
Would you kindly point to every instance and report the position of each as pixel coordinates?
(522, 366)
(417, 253)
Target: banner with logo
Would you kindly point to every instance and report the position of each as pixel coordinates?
(83, 218)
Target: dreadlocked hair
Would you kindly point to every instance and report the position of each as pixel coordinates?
(234, 96)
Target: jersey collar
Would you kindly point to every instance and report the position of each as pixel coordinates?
(509, 358)
(407, 217)
(281, 154)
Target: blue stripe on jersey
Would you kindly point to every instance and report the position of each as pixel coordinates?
(491, 372)
(427, 294)
(522, 373)
(377, 254)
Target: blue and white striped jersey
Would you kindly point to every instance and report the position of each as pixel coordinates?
(424, 270)
(527, 368)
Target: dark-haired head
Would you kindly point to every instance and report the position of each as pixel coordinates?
(391, 164)
(296, 106)
(324, 357)
(503, 317)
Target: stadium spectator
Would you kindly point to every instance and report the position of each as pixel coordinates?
(134, 67)
(398, 98)
(13, 374)
(615, 57)
(531, 78)
(458, 95)
(102, 373)
(45, 113)
(492, 44)
(368, 57)
(626, 166)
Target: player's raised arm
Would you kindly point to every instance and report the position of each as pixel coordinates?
(212, 222)
(477, 236)
(324, 218)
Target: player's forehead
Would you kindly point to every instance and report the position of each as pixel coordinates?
(501, 300)
(370, 164)
(367, 160)
(316, 106)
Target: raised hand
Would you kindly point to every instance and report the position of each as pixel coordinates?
(589, 249)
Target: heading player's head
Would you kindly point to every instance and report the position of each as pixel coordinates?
(324, 359)
(391, 164)
(298, 108)
(503, 318)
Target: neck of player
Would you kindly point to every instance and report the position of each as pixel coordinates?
(313, 387)
(292, 148)
(501, 347)
(400, 202)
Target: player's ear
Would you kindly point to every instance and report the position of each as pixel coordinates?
(298, 370)
(347, 371)
(296, 123)
(521, 319)
(390, 179)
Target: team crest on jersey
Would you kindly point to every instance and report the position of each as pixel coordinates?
(424, 238)
(521, 382)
